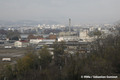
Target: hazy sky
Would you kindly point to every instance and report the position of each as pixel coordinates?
(80, 11)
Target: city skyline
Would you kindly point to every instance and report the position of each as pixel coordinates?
(80, 11)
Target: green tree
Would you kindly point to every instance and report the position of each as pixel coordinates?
(59, 56)
(95, 33)
(45, 57)
(9, 74)
(25, 64)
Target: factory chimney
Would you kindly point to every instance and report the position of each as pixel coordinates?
(69, 25)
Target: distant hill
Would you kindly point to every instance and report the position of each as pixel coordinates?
(28, 22)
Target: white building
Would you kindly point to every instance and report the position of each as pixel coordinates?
(68, 38)
(85, 37)
(21, 44)
(83, 34)
(35, 41)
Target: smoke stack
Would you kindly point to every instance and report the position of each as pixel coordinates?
(69, 25)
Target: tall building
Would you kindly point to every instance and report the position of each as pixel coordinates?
(69, 25)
